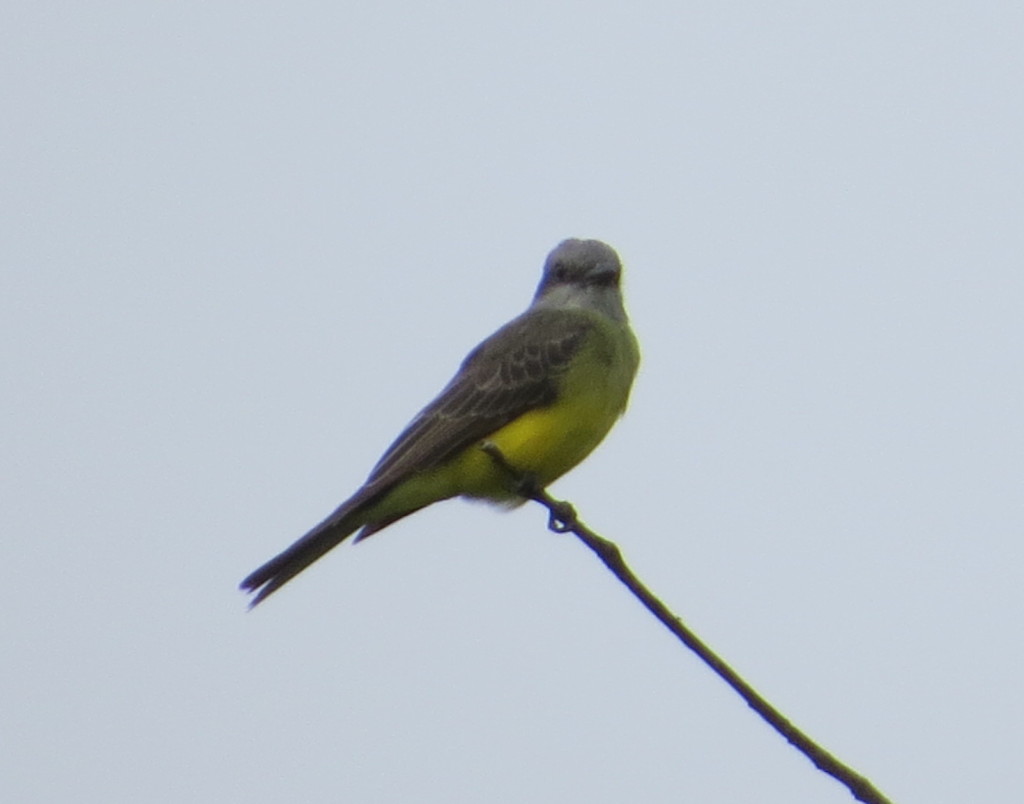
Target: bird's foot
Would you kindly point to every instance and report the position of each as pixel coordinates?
(561, 515)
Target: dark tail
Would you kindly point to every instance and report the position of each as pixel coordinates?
(282, 568)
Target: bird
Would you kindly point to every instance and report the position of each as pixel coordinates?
(540, 394)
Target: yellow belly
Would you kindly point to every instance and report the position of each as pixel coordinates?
(546, 442)
(550, 441)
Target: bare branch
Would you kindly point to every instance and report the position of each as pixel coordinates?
(563, 519)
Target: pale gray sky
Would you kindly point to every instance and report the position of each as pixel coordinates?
(244, 242)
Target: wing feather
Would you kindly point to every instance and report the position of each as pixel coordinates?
(513, 371)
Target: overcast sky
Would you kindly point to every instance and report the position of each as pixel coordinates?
(243, 243)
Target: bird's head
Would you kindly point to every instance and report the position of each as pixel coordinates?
(582, 273)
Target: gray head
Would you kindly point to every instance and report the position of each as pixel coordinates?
(580, 262)
(582, 273)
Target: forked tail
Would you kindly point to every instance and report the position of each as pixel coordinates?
(282, 568)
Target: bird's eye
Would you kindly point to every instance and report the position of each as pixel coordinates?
(559, 272)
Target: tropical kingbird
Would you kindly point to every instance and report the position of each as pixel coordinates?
(542, 391)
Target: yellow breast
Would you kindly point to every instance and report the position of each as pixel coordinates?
(549, 441)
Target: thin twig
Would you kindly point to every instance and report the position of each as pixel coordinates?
(563, 519)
